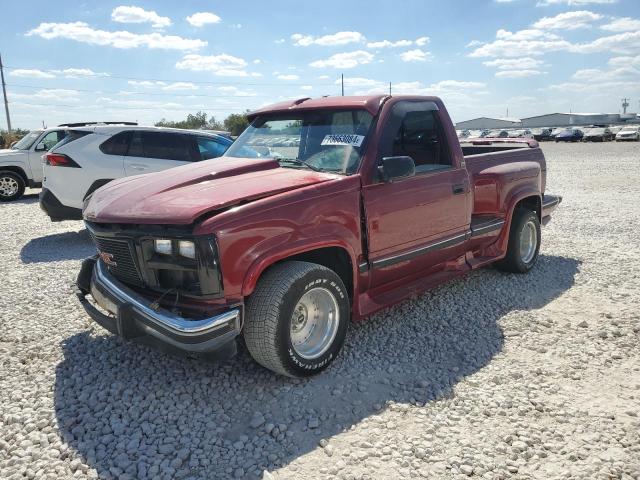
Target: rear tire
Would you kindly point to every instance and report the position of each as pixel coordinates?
(297, 318)
(12, 186)
(524, 242)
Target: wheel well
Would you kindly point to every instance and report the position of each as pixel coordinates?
(17, 170)
(532, 203)
(334, 258)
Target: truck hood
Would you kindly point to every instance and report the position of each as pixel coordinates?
(180, 195)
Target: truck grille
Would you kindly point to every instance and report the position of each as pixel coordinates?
(125, 268)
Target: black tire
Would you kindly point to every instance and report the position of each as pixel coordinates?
(269, 311)
(513, 261)
(12, 186)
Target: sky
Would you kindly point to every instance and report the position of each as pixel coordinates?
(144, 61)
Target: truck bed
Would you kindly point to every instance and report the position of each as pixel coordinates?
(498, 164)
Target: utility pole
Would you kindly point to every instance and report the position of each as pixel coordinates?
(625, 104)
(342, 81)
(4, 92)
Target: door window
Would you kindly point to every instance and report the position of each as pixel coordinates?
(116, 145)
(161, 145)
(210, 148)
(421, 137)
(50, 139)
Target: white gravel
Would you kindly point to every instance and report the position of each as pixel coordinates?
(492, 376)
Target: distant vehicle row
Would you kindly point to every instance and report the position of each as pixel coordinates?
(589, 134)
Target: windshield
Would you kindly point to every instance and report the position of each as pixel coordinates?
(29, 139)
(629, 129)
(327, 140)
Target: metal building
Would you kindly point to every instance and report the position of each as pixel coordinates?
(490, 123)
(570, 119)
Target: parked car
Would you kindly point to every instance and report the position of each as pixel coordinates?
(569, 135)
(520, 134)
(627, 133)
(21, 165)
(598, 134)
(542, 134)
(379, 202)
(90, 157)
(497, 134)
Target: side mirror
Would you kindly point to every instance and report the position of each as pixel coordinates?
(41, 147)
(393, 168)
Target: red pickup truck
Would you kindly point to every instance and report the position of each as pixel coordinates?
(322, 211)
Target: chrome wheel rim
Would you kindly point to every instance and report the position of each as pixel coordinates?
(314, 323)
(528, 241)
(8, 186)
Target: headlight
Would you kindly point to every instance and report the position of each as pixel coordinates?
(163, 247)
(187, 248)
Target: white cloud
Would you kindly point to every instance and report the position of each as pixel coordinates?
(577, 3)
(339, 38)
(177, 86)
(568, 20)
(421, 41)
(359, 82)
(222, 65)
(61, 94)
(625, 61)
(344, 60)
(529, 42)
(201, 19)
(67, 72)
(30, 73)
(80, 72)
(624, 24)
(306, 87)
(280, 40)
(232, 91)
(519, 63)
(145, 83)
(596, 75)
(416, 55)
(324, 77)
(624, 43)
(82, 32)
(517, 73)
(131, 14)
(389, 44)
(287, 77)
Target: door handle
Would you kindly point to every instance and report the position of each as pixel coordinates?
(458, 189)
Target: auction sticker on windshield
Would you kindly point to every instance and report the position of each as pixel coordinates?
(352, 140)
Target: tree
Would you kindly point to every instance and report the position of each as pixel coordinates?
(236, 123)
(197, 121)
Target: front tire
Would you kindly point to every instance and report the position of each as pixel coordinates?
(524, 242)
(11, 186)
(297, 318)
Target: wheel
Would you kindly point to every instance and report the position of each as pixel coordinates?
(11, 186)
(524, 242)
(297, 318)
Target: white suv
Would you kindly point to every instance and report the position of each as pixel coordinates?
(90, 157)
(21, 165)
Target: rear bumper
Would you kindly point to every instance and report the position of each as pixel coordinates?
(132, 316)
(55, 209)
(549, 204)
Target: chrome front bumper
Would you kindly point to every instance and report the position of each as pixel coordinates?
(130, 315)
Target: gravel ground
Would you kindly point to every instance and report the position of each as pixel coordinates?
(491, 376)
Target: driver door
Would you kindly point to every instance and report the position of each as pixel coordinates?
(418, 223)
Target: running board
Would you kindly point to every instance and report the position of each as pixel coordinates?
(483, 224)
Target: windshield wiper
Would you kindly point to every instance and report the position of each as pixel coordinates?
(297, 161)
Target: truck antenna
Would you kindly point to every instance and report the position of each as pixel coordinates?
(389, 88)
(342, 82)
